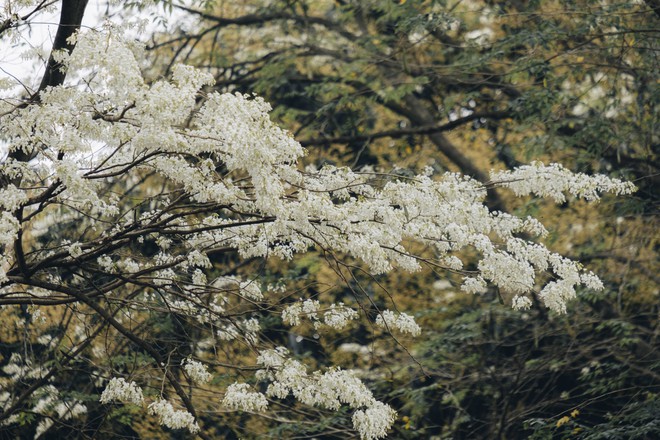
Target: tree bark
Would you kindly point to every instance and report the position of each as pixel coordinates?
(70, 20)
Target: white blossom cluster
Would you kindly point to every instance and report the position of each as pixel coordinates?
(10, 199)
(521, 303)
(197, 371)
(246, 329)
(19, 368)
(554, 181)
(50, 404)
(337, 316)
(119, 390)
(249, 289)
(5, 403)
(239, 397)
(330, 389)
(398, 321)
(173, 419)
(292, 313)
(374, 421)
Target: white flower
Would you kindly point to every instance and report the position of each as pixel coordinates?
(474, 285)
(198, 259)
(239, 397)
(555, 294)
(330, 389)
(591, 281)
(121, 391)
(248, 289)
(292, 313)
(75, 250)
(9, 227)
(401, 322)
(105, 262)
(338, 317)
(521, 302)
(174, 419)
(199, 278)
(197, 372)
(251, 290)
(374, 422)
(554, 180)
(272, 358)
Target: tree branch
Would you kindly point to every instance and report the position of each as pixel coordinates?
(70, 20)
(398, 133)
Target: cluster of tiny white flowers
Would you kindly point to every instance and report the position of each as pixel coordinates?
(452, 262)
(105, 262)
(507, 272)
(291, 314)
(474, 285)
(249, 289)
(5, 403)
(554, 180)
(197, 371)
(118, 390)
(555, 294)
(533, 226)
(18, 368)
(330, 389)
(11, 198)
(239, 397)
(174, 419)
(228, 331)
(374, 421)
(590, 280)
(163, 243)
(248, 329)
(129, 265)
(50, 404)
(46, 339)
(199, 278)
(398, 321)
(198, 259)
(9, 226)
(272, 358)
(521, 302)
(74, 250)
(14, 368)
(337, 316)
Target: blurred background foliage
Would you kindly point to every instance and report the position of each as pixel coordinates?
(468, 86)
